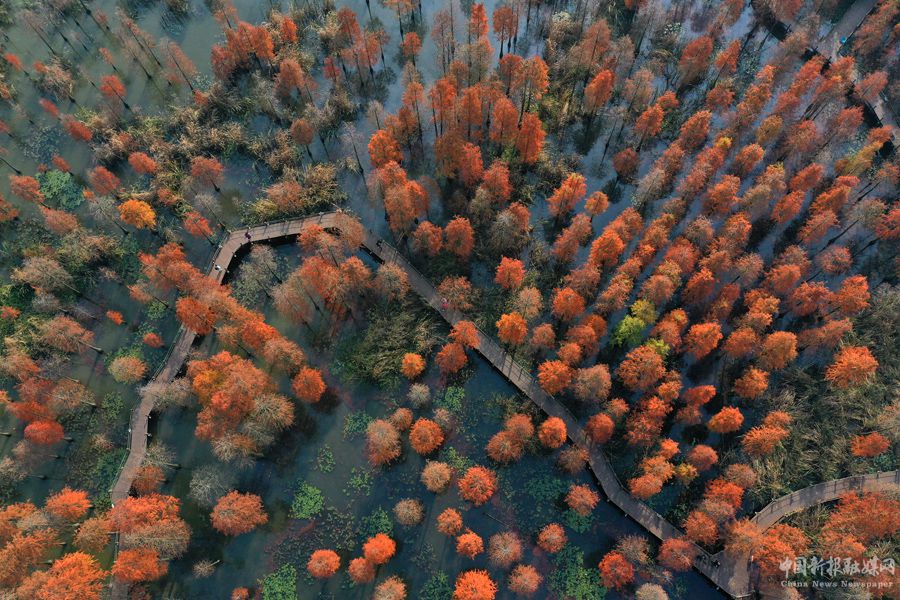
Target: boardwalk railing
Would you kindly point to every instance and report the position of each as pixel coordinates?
(824, 492)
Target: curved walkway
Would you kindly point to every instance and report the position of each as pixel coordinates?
(730, 575)
(825, 492)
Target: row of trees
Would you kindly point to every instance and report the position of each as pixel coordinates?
(789, 303)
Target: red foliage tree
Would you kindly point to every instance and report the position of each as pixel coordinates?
(510, 273)
(677, 554)
(207, 171)
(870, 445)
(323, 564)
(44, 433)
(582, 499)
(695, 59)
(102, 181)
(379, 549)
(383, 148)
(477, 485)
(615, 571)
(308, 385)
(459, 237)
(425, 436)
(598, 91)
(27, 188)
(569, 193)
(475, 585)
(552, 432)
(852, 366)
(237, 513)
(469, 544)
(112, 87)
(138, 564)
(68, 504)
(142, 163)
(530, 140)
(641, 369)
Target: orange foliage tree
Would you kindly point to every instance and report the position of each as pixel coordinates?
(475, 585)
(552, 432)
(524, 580)
(425, 436)
(68, 504)
(323, 564)
(236, 513)
(555, 376)
(615, 571)
(870, 445)
(451, 358)
(852, 366)
(459, 237)
(477, 485)
(510, 273)
(308, 385)
(512, 328)
(530, 140)
(412, 365)
(469, 544)
(641, 369)
(75, 575)
(379, 549)
(449, 522)
(582, 499)
(137, 213)
(552, 538)
(139, 564)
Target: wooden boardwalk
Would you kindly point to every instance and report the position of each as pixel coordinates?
(728, 574)
(885, 481)
(184, 340)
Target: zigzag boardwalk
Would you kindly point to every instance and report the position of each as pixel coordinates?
(731, 575)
